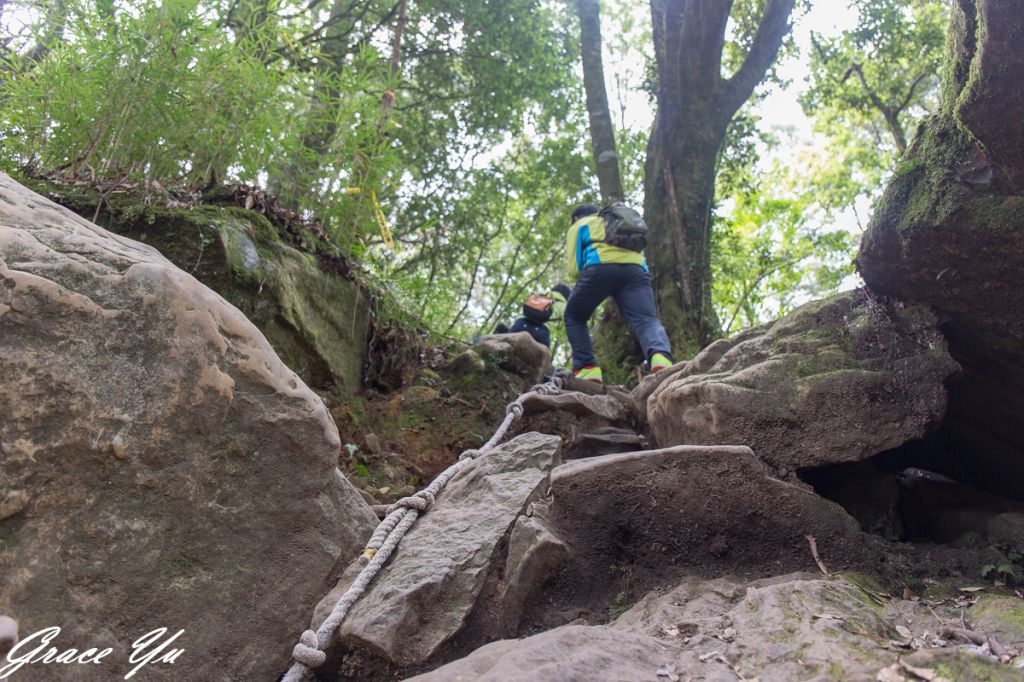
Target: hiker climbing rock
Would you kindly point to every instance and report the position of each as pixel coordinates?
(538, 310)
(604, 250)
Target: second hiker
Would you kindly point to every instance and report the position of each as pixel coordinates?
(604, 250)
(538, 310)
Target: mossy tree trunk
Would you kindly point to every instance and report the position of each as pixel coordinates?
(695, 105)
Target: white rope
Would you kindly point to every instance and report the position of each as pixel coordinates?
(309, 652)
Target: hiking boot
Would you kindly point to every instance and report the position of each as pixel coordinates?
(660, 361)
(589, 373)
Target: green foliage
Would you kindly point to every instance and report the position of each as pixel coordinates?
(167, 92)
(495, 238)
(768, 257)
(869, 87)
(473, 168)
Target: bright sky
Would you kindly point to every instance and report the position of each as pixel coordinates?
(781, 108)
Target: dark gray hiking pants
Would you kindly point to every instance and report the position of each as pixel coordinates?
(630, 286)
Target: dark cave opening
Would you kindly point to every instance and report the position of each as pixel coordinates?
(962, 482)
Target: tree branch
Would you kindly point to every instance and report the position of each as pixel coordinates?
(891, 117)
(524, 286)
(910, 93)
(510, 271)
(767, 41)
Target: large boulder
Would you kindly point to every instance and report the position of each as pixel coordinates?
(509, 549)
(306, 301)
(436, 580)
(838, 380)
(160, 466)
(949, 232)
(517, 353)
(638, 521)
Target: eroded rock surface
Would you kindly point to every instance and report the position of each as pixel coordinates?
(308, 305)
(518, 353)
(638, 521)
(572, 413)
(837, 380)
(160, 466)
(792, 627)
(603, 407)
(431, 586)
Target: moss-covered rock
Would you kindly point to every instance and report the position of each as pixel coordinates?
(949, 232)
(316, 319)
(1000, 616)
(837, 380)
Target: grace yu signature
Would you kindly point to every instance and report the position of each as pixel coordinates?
(152, 647)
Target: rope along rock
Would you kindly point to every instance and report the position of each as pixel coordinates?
(309, 652)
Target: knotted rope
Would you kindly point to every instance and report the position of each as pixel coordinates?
(309, 652)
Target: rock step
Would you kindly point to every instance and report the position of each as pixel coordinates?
(659, 514)
(605, 441)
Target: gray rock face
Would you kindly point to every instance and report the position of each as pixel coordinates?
(659, 514)
(567, 654)
(949, 232)
(535, 555)
(160, 466)
(835, 381)
(1001, 617)
(517, 353)
(428, 590)
(793, 627)
(573, 412)
(604, 407)
(604, 441)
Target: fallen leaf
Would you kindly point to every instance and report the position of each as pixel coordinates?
(971, 589)
(905, 632)
(890, 674)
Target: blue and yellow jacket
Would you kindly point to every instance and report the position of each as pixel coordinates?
(584, 246)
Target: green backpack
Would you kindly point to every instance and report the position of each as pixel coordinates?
(624, 227)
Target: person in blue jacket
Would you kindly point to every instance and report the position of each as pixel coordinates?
(602, 270)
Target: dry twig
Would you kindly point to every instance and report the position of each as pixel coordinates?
(817, 558)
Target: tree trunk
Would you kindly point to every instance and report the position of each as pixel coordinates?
(695, 106)
(602, 134)
(679, 191)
